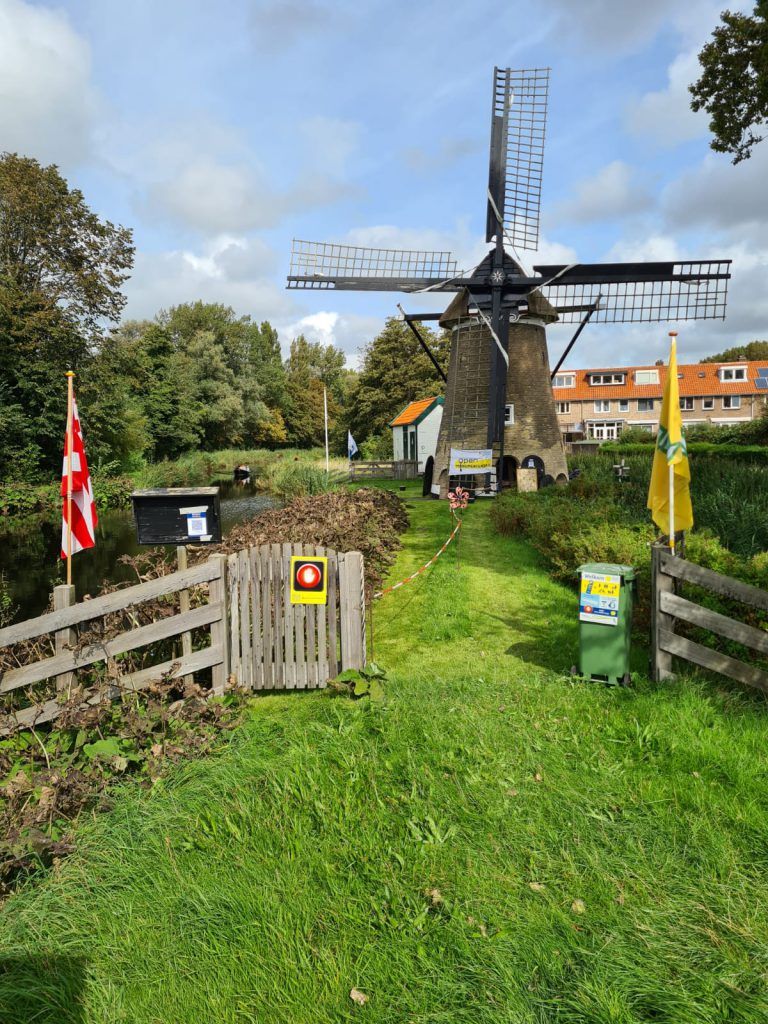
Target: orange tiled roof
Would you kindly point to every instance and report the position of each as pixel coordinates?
(412, 412)
(698, 379)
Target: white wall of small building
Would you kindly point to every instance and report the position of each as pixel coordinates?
(428, 430)
(397, 443)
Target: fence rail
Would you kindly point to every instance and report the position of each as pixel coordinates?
(258, 639)
(400, 469)
(669, 607)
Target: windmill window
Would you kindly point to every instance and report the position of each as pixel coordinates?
(509, 415)
(563, 408)
(646, 376)
(645, 405)
(602, 405)
(605, 379)
(733, 373)
(686, 404)
(732, 402)
(565, 380)
(707, 403)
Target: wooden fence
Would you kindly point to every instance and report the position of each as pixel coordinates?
(401, 469)
(279, 646)
(258, 640)
(669, 607)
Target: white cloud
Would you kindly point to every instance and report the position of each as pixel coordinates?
(720, 194)
(621, 25)
(331, 142)
(47, 102)
(613, 192)
(277, 25)
(665, 116)
(347, 331)
(444, 154)
(231, 270)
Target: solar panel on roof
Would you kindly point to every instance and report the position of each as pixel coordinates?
(762, 371)
(762, 383)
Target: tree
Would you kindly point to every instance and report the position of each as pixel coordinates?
(311, 366)
(61, 271)
(733, 87)
(395, 371)
(752, 350)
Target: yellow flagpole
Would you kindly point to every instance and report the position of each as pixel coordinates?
(70, 417)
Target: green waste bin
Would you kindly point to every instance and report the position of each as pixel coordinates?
(605, 621)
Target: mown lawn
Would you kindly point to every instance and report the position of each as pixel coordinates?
(493, 843)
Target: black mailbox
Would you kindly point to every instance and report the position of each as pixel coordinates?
(177, 515)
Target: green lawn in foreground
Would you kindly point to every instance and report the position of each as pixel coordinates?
(492, 844)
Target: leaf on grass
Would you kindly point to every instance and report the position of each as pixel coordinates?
(578, 906)
(536, 886)
(435, 897)
(102, 748)
(358, 997)
(538, 777)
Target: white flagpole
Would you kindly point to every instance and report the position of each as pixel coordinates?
(70, 403)
(325, 413)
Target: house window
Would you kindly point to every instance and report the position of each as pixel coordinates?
(563, 408)
(509, 415)
(607, 431)
(623, 405)
(602, 405)
(732, 401)
(565, 380)
(645, 405)
(646, 376)
(733, 373)
(686, 404)
(707, 404)
(603, 379)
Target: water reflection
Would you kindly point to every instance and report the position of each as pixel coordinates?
(29, 551)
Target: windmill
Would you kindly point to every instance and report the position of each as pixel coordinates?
(498, 390)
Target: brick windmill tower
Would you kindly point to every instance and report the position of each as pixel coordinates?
(498, 390)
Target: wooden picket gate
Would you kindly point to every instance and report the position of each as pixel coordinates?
(275, 645)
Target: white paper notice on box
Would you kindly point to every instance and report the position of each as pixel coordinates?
(599, 598)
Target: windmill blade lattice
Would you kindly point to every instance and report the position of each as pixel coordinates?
(518, 128)
(354, 267)
(640, 292)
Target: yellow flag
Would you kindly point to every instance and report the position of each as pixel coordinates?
(671, 451)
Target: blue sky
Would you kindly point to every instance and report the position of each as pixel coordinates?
(220, 131)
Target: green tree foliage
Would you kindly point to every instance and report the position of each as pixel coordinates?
(752, 350)
(733, 87)
(395, 371)
(310, 367)
(61, 271)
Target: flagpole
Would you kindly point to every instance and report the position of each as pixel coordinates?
(671, 470)
(70, 403)
(325, 413)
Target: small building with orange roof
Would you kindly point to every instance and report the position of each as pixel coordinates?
(415, 430)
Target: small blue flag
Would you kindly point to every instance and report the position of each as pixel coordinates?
(352, 448)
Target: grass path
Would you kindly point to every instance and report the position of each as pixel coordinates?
(491, 844)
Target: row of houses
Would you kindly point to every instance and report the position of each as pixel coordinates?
(598, 404)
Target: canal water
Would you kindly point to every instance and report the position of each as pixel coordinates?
(29, 551)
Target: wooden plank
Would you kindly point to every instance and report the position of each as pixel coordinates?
(257, 651)
(321, 661)
(220, 628)
(300, 639)
(64, 639)
(276, 616)
(289, 636)
(310, 632)
(661, 661)
(714, 660)
(333, 613)
(184, 605)
(233, 589)
(130, 641)
(196, 662)
(38, 714)
(114, 602)
(246, 667)
(270, 561)
(757, 639)
(715, 581)
(351, 610)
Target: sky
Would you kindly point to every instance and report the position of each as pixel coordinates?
(220, 131)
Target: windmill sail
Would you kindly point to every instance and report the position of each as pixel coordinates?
(518, 127)
(354, 267)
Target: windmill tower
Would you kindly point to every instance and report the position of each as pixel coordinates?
(498, 390)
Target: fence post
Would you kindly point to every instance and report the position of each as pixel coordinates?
(661, 661)
(217, 594)
(184, 605)
(351, 610)
(64, 639)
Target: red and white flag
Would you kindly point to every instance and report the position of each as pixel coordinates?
(83, 507)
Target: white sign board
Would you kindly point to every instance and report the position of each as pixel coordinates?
(470, 461)
(599, 598)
